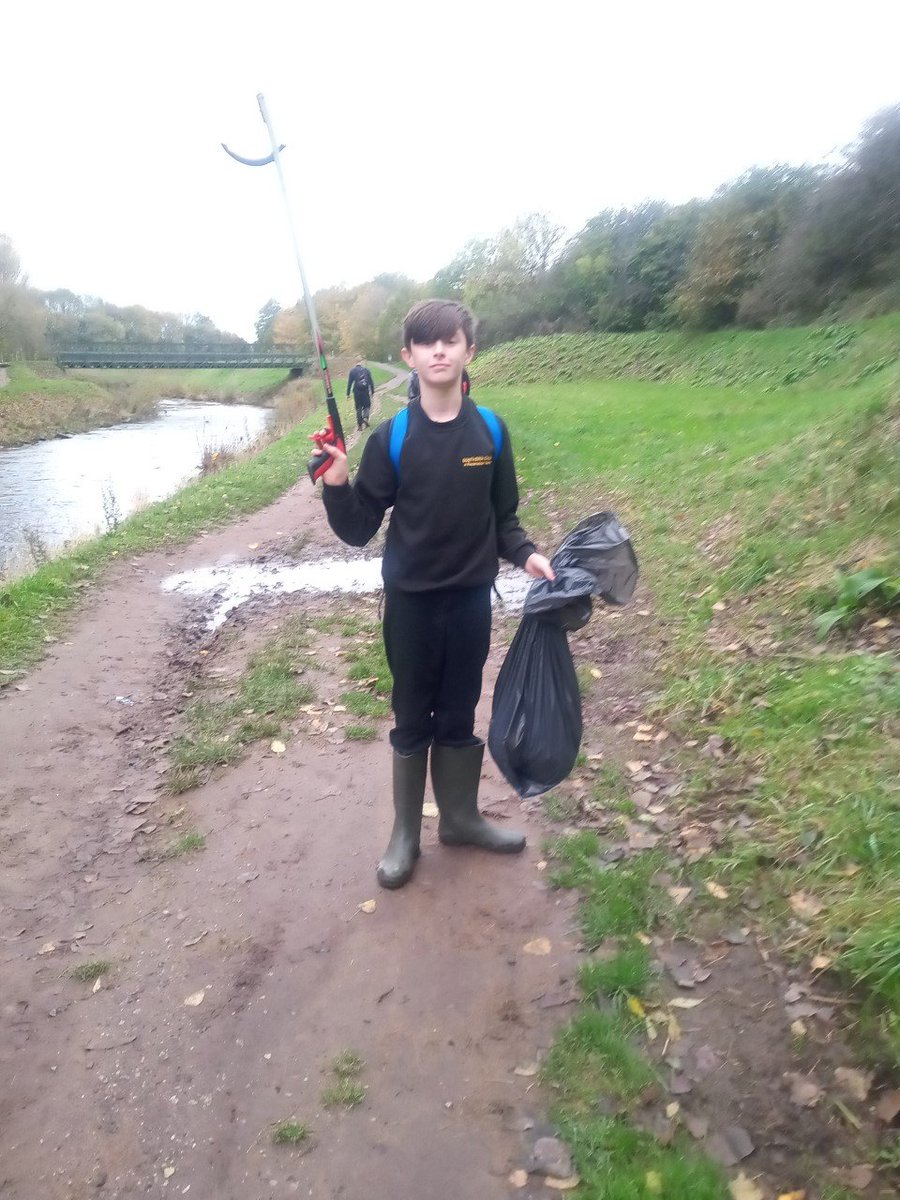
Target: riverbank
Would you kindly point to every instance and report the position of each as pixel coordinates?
(42, 401)
(34, 609)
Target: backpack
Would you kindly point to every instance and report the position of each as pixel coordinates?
(400, 424)
(362, 384)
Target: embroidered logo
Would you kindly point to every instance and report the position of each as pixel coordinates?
(478, 460)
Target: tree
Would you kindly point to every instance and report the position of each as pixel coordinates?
(736, 237)
(23, 322)
(10, 267)
(265, 322)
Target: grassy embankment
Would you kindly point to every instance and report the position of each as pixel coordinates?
(756, 467)
(42, 401)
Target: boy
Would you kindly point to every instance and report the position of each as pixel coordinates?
(454, 496)
(363, 385)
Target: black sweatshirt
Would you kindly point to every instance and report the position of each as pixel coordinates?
(454, 507)
(360, 379)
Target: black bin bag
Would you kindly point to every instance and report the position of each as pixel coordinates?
(536, 724)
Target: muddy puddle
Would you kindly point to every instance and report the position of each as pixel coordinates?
(229, 586)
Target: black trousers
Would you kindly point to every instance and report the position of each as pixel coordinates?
(436, 643)
(363, 407)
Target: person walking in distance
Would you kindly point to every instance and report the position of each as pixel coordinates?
(361, 383)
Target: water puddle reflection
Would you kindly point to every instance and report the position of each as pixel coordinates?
(231, 585)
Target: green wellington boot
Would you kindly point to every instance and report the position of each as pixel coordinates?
(396, 867)
(455, 774)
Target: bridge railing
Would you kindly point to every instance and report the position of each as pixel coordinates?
(168, 354)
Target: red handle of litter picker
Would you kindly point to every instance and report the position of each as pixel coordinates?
(322, 460)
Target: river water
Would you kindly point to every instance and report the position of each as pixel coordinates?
(62, 490)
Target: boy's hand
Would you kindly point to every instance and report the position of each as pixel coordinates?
(538, 567)
(338, 473)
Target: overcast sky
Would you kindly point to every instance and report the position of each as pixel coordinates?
(410, 127)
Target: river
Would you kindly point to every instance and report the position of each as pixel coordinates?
(62, 490)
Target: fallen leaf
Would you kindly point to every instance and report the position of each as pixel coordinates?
(673, 1109)
(253, 545)
(635, 1006)
(653, 1182)
(805, 1092)
(277, 747)
(644, 939)
(888, 1107)
(198, 938)
(697, 1127)
(518, 1179)
(642, 737)
(168, 1172)
(798, 1029)
(743, 1188)
(679, 894)
(858, 1177)
(47, 948)
(368, 906)
(540, 945)
(194, 999)
(821, 962)
(805, 905)
(526, 1070)
(98, 984)
(430, 809)
(792, 1196)
(686, 1001)
(716, 890)
(853, 1083)
(542, 865)
(730, 1146)
(563, 1185)
(596, 673)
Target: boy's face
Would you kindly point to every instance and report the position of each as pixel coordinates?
(440, 363)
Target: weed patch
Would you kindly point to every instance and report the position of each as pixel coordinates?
(627, 972)
(217, 732)
(188, 843)
(94, 968)
(363, 704)
(290, 1133)
(361, 733)
(346, 1091)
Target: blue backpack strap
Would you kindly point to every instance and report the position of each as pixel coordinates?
(496, 429)
(399, 425)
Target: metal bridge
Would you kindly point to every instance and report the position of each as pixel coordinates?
(172, 354)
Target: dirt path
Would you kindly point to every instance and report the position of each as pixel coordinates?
(127, 1090)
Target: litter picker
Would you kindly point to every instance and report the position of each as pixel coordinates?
(333, 433)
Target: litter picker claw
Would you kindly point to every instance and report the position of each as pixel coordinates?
(333, 433)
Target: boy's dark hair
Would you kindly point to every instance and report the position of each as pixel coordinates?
(431, 320)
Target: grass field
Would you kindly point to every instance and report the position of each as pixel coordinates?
(744, 503)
